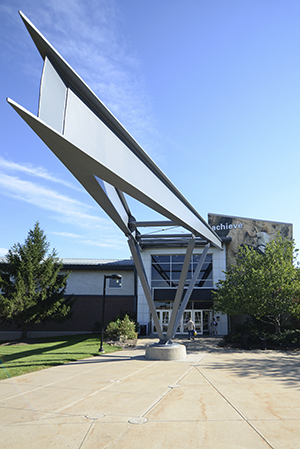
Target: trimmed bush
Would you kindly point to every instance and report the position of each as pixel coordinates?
(121, 329)
(287, 338)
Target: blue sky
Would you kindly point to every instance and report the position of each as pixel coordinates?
(210, 89)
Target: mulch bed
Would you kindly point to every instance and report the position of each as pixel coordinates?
(125, 344)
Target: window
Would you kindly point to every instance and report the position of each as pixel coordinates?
(115, 283)
(166, 270)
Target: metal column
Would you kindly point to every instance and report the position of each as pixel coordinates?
(135, 251)
(181, 284)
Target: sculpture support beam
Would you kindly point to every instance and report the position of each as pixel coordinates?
(190, 288)
(181, 284)
(134, 248)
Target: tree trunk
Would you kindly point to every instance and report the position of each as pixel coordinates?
(277, 325)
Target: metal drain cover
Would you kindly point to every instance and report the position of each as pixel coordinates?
(138, 420)
(95, 416)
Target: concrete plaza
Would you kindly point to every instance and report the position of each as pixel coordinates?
(215, 398)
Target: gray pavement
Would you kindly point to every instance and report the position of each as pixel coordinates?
(215, 398)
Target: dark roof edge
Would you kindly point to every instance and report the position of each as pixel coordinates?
(73, 267)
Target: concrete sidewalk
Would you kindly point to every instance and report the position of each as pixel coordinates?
(215, 398)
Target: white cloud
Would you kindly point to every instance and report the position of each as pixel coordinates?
(107, 243)
(115, 242)
(39, 172)
(67, 234)
(65, 208)
(3, 251)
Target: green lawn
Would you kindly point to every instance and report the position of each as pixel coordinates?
(17, 359)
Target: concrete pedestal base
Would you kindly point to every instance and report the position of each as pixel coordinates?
(166, 352)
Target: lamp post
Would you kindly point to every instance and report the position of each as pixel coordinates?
(112, 276)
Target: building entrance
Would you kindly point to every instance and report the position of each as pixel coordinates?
(201, 318)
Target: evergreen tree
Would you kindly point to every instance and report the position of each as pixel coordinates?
(265, 286)
(32, 287)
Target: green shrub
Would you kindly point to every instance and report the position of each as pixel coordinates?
(286, 338)
(253, 328)
(289, 337)
(121, 329)
(113, 330)
(132, 316)
(232, 338)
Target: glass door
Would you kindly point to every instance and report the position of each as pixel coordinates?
(187, 314)
(197, 318)
(206, 321)
(201, 319)
(165, 319)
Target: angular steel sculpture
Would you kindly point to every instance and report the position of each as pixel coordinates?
(106, 160)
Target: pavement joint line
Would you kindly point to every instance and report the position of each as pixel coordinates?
(122, 434)
(106, 387)
(137, 371)
(94, 393)
(167, 392)
(157, 401)
(86, 434)
(49, 384)
(48, 415)
(24, 393)
(237, 410)
(93, 417)
(58, 411)
(190, 420)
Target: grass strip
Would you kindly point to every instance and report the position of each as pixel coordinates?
(22, 358)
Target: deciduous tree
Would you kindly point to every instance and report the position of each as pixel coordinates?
(265, 286)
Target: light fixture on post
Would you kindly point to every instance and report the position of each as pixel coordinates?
(111, 276)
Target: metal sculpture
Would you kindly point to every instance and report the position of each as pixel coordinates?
(108, 162)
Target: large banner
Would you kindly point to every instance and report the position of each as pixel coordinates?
(246, 231)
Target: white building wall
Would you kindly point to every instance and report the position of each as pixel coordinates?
(222, 327)
(219, 268)
(90, 282)
(219, 265)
